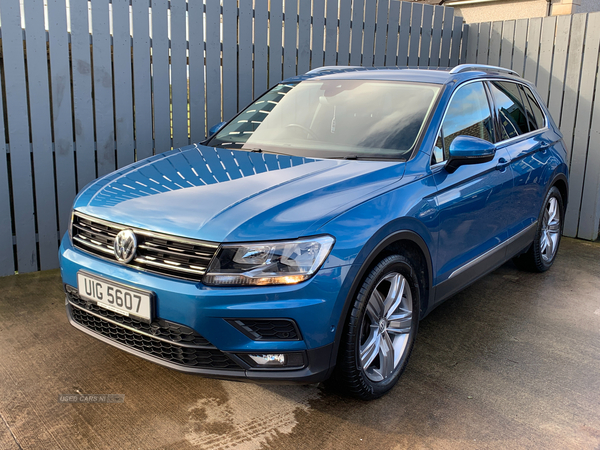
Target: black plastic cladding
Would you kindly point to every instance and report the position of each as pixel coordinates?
(268, 329)
(197, 352)
(159, 328)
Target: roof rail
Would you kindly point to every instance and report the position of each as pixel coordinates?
(482, 68)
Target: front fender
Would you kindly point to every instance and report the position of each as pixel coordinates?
(406, 213)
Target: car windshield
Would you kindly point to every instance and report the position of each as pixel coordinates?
(333, 119)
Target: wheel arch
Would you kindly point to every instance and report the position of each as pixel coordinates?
(562, 184)
(410, 242)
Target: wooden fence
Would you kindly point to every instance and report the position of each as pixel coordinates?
(561, 56)
(115, 81)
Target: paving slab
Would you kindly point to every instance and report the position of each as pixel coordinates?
(513, 362)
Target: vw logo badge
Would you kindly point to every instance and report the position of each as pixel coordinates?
(125, 246)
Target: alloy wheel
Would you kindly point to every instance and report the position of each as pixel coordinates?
(550, 230)
(386, 327)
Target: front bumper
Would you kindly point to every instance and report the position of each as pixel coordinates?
(219, 351)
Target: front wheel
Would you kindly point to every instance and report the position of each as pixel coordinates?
(380, 330)
(542, 252)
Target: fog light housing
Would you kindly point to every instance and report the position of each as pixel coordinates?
(273, 360)
(270, 359)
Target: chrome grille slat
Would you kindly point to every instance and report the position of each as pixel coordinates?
(158, 253)
(204, 255)
(170, 267)
(152, 248)
(91, 244)
(87, 231)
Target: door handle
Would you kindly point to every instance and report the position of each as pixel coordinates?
(502, 163)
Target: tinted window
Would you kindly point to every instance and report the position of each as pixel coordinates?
(534, 110)
(512, 114)
(467, 115)
(333, 118)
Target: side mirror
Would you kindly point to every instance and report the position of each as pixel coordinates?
(215, 129)
(469, 150)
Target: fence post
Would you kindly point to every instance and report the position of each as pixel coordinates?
(6, 234)
(62, 114)
(18, 134)
(41, 135)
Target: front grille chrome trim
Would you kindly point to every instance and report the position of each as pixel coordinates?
(174, 238)
(91, 244)
(157, 252)
(169, 252)
(168, 266)
(147, 232)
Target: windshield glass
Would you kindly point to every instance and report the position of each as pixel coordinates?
(333, 119)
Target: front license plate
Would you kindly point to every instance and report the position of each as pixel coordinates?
(115, 296)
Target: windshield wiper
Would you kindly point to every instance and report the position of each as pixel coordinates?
(228, 145)
(369, 158)
(273, 152)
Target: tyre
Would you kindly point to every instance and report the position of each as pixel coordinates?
(380, 330)
(542, 253)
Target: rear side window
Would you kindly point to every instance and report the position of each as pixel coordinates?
(467, 115)
(536, 116)
(512, 114)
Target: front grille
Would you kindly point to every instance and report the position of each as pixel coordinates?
(156, 252)
(268, 329)
(178, 344)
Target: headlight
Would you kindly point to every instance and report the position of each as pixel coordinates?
(267, 263)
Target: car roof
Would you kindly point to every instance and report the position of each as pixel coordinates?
(408, 74)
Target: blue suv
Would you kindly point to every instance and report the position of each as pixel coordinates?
(306, 238)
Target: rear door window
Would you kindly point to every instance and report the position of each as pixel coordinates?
(511, 112)
(536, 116)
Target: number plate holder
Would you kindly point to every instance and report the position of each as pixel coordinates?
(97, 290)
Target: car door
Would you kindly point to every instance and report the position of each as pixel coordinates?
(526, 138)
(473, 201)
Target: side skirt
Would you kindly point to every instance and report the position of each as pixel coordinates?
(484, 264)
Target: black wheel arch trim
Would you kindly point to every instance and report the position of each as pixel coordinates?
(358, 271)
(560, 176)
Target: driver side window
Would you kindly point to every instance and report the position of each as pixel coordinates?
(468, 114)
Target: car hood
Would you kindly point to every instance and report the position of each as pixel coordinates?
(224, 195)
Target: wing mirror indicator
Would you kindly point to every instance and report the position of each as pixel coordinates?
(469, 150)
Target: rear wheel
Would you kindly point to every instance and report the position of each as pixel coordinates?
(380, 331)
(542, 252)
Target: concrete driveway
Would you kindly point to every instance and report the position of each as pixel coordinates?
(512, 362)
